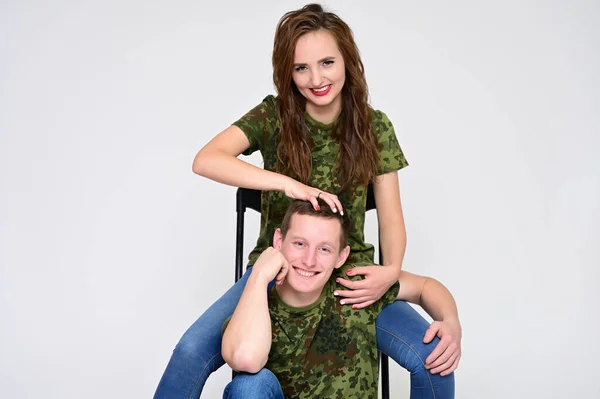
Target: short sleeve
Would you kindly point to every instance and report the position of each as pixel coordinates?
(259, 124)
(391, 157)
(225, 324)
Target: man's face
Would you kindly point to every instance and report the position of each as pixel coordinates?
(312, 248)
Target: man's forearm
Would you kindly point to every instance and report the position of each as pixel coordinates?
(438, 302)
(247, 339)
(428, 293)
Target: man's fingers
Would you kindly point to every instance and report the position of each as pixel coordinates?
(444, 357)
(452, 368)
(439, 349)
(446, 365)
(431, 333)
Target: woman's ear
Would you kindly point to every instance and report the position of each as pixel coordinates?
(343, 256)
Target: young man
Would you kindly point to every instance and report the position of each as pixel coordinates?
(299, 330)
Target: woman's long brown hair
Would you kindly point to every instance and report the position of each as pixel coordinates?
(358, 156)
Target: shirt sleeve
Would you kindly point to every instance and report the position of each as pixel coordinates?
(391, 157)
(258, 124)
(225, 324)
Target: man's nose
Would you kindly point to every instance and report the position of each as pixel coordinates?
(310, 257)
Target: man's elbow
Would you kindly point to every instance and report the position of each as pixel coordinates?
(244, 360)
(199, 164)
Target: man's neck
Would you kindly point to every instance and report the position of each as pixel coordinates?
(296, 299)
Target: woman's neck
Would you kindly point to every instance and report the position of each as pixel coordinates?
(325, 114)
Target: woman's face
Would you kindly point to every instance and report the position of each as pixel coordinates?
(319, 73)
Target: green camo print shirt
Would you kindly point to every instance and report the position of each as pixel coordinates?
(326, 350)
(261, 126)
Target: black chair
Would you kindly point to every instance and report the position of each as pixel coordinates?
(250, 199)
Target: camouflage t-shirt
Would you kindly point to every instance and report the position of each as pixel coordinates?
(326, 350)
(261, 126)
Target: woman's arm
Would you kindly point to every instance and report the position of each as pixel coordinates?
(392, 235)
(392, 232)
(218, 161)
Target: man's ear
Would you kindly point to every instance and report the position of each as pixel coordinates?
(343, 256)
(277, 239)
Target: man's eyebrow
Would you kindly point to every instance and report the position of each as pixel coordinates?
(322, 242)
(318, 62)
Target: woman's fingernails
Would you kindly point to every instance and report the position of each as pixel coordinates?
(342, 213)
(334, 210)
(318, 208)
(349, 272)
(342, 302)
(335, 293)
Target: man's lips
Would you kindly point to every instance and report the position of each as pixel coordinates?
(305, 273)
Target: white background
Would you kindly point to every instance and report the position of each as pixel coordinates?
(110, 247)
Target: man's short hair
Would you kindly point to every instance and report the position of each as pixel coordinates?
(306, 208)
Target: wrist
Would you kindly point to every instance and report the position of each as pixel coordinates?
(259, 278)
(283, 182)
(394, 270)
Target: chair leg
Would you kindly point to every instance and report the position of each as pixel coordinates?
(385, 377)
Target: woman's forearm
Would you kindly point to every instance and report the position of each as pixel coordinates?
(225, 168)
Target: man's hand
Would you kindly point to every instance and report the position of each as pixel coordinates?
(446, 355)
(271, 264)
(378, 279)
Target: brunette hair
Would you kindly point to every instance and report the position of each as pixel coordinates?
(358, 157)
(299, 207)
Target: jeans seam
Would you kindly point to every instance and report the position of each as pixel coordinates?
(414, 351)
(190, 396)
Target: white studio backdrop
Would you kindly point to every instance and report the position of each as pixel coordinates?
(110, 247)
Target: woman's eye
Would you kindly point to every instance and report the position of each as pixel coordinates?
(300, 68)
(328, 62)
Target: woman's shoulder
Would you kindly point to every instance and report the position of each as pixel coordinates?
(380, 122)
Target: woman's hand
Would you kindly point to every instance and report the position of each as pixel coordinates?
(446, 355)
(378, 279)
(296, 190)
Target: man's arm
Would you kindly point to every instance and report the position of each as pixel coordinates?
(437, 301)
(430, 294)
(247, 338)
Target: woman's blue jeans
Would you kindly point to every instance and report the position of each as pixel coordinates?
(400, 331)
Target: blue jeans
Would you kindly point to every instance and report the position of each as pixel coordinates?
(400, 331)
(262, 385)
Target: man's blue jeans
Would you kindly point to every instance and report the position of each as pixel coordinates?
(262, 385)
(400, 331)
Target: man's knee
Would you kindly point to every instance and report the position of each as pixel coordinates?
(248, 386)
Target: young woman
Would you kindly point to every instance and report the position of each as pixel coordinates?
(319, 138)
